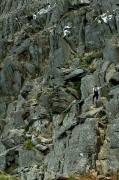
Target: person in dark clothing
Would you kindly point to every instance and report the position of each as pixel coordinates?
(95, 93)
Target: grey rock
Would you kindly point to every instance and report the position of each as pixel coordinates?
(90, 114)
(2, 162)
(78, 73)
(72, 158)
(25, 45)
(21, 38)
(3, 108)
(10, 74)
(32, 174)
(28, 158)
(86, 87)
(13, 139)
(38, 69)
(111, 46)
(110, 149)
(117, 68)
(60, 51)
(115, 78)
(18, 119)
(36, 54)
(2, 147)
(59, 101)
(113, 104)
(30, 68)
(41, 147)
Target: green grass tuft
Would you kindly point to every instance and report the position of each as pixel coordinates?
(29, 144)
(4, 176)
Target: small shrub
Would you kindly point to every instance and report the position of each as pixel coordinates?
(92, 70)
(93, 56)
(64, 114)
(4, 116)
(38, 96)
(39, 140)
(71, 178)
(67, 91)
(100, 115)
(26, 128)
(49, 119)
(77, 85)
(29, 144)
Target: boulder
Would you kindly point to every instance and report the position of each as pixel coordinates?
(86, 87)
(115, 79)
(110, 51)
(82, 145)
(77, 74)
(60, 101)
(14, 138)
(28, 158)
(24, 47)
(90, 114)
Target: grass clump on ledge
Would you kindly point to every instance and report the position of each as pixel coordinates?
(4, 176)
(100, 115)
(93, 56)
(29, 144)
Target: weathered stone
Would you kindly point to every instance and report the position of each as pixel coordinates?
(86, 87)
(40, 147)
(25, 45)
(75, 157)
(77, 74)
(111, 46)
(39, 70)
(30, 68)
(28, 158)
(13, 139)
(2, 162)
(90, 114)
(59, 101)
(115, 78)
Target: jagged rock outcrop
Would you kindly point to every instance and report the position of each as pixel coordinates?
(49, 127)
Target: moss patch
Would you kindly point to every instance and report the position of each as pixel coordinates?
(77, 85)
(12, 168)
(4, 176)
(38, 96)
(92, 70)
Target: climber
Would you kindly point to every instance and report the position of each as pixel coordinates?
(95, 93)
(66, 30)
(35, 15)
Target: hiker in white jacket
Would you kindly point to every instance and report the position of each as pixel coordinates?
(95, 92)
(66, 30)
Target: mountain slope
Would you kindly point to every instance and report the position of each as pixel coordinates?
(49, 127)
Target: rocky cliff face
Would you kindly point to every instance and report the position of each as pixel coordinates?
(48, 125)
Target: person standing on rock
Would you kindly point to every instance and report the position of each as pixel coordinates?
(95, 93)
(35, 15)
(66, 30)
